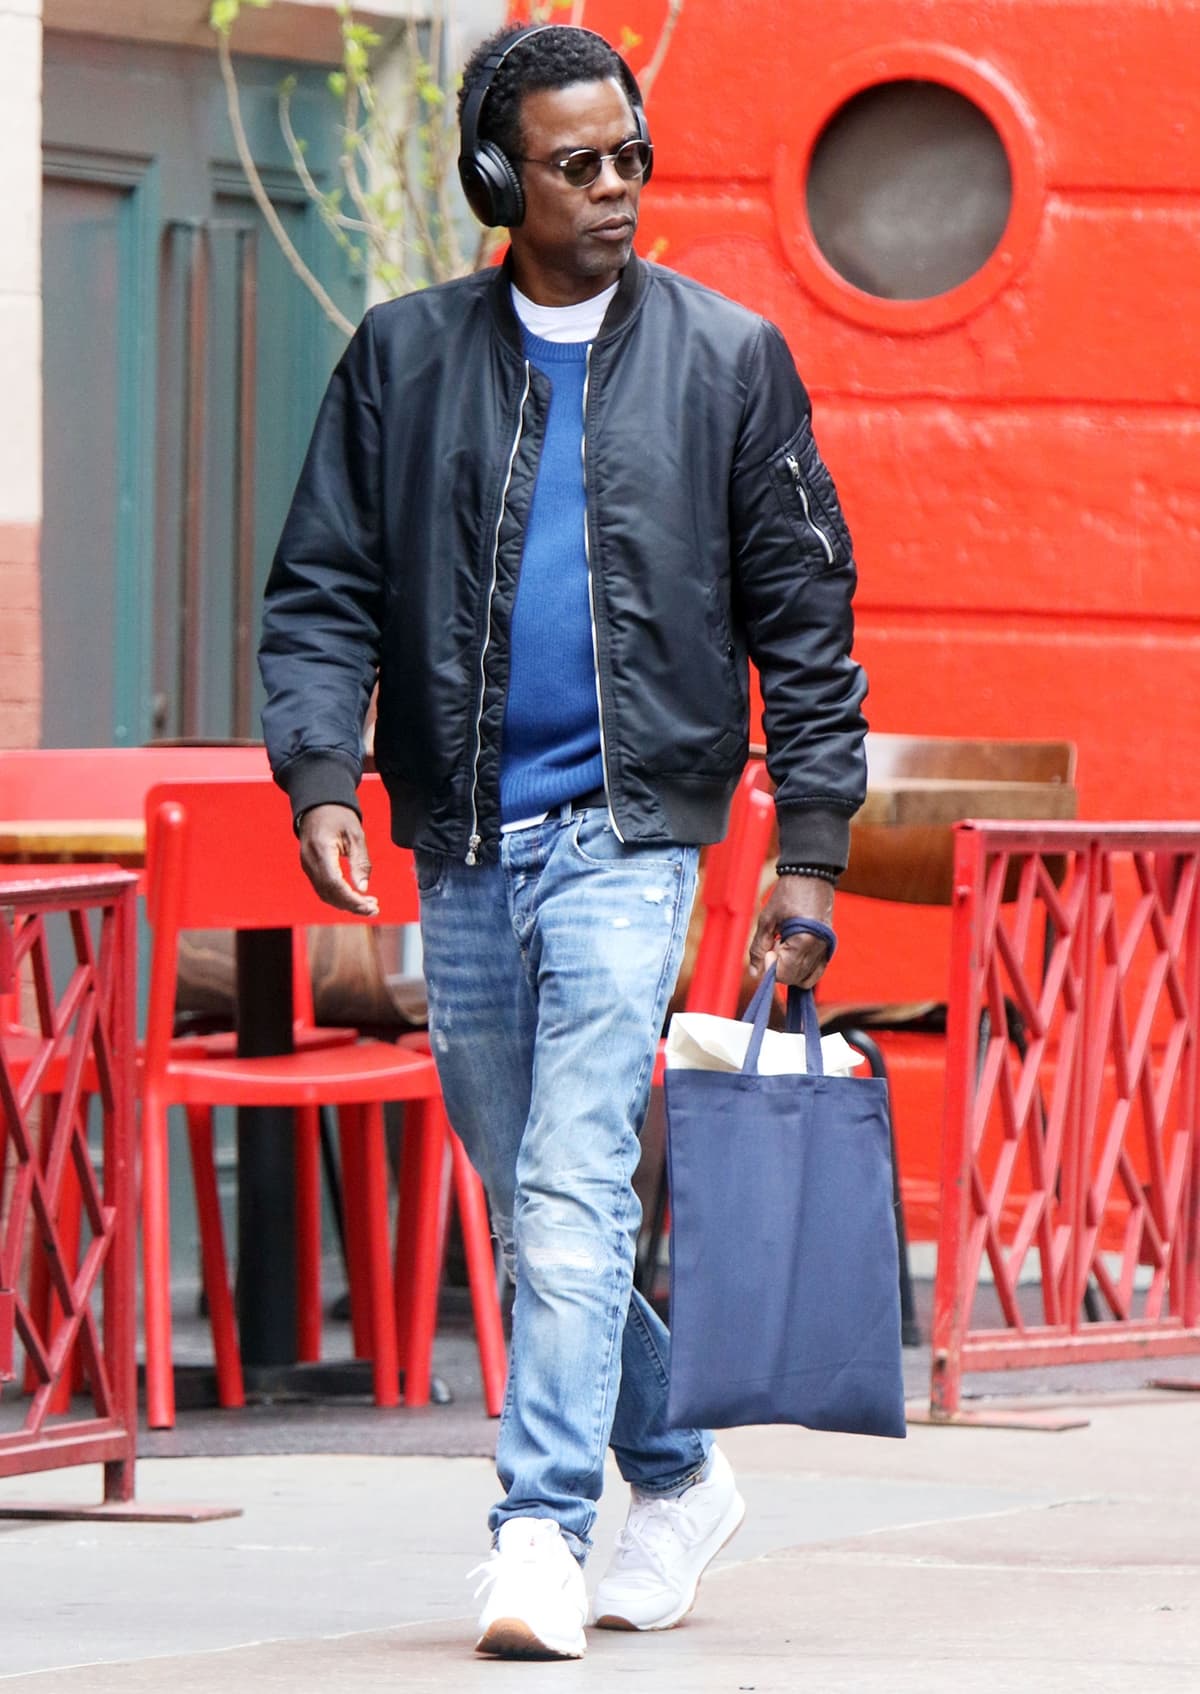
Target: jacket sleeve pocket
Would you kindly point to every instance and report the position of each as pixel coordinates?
(810, 504)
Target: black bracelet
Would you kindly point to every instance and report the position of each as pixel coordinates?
(823, 873)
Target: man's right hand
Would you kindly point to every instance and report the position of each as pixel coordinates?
(329, 834)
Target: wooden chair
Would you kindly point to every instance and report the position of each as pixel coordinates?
(930, 783)
(913, 862)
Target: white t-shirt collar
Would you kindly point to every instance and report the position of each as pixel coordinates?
(563, 323)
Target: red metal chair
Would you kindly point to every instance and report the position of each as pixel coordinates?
(100, 783)
(461, 1183)
(730, 896)
(223, 855)
(70, 784)
(730, 899)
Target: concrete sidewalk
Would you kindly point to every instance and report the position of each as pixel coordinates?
(997, 1561)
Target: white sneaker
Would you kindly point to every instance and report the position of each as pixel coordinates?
(537, 1606)
(664, 1550)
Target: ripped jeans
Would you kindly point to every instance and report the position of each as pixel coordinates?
(549, 974)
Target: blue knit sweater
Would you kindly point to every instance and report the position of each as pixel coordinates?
(551, 746)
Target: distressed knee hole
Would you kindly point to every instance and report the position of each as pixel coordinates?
(546, 1252)
(539, 1258)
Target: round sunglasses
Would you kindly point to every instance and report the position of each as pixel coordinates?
(581, 168)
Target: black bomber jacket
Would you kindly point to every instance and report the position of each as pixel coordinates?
(714, 533)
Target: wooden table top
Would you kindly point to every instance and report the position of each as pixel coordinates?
(70, 840)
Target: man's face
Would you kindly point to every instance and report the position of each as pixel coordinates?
(574, 241)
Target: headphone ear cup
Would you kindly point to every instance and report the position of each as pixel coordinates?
(474, 188)
(643, 128)
(510, 196)
(644, 135)
(492, 187)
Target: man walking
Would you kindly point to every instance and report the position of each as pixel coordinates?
(552, 508)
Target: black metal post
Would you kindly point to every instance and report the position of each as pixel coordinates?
(266, 1210)
(910, 1329)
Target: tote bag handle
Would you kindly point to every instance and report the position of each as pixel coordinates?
(801, 1007)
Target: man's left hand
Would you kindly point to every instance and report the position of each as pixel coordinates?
(800, 962)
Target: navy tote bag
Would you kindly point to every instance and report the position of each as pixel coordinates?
(785, 1303)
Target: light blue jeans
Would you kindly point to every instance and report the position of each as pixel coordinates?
(548, 976)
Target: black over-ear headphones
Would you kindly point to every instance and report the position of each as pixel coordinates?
(490, 180)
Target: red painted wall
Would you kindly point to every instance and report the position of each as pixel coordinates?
(1019, 459)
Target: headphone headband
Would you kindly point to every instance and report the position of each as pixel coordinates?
(483, 85)
(489, 178)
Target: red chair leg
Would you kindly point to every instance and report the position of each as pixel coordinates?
(373, 1224)
(429, 1235)
(407, 1210)
(481, 1273)
(351, 1143)
(156, 1266)
(231, 1389)
(308, 1234)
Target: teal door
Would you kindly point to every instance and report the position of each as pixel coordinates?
(183, 367)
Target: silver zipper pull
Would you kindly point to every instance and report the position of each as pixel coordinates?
(473, 846)
(793, 465)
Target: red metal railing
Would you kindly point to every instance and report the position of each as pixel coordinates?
(1071, 1151)
(82, 1329)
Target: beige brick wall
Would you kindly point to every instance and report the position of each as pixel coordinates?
(21, 363)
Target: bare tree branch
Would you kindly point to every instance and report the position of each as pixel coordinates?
(333, 220)
(649, 75)
(415, 193)
(348, 162)
(263, 200)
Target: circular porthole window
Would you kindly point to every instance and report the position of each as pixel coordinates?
(909, 190)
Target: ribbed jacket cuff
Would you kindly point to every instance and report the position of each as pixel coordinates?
(814, 835)
(319, 779)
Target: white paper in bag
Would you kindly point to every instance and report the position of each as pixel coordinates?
(699, 1041)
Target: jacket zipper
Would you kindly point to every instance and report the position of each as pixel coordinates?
(793, 465)
(476, 840)
(587, 549)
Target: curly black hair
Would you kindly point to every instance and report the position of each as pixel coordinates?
(555, 57)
